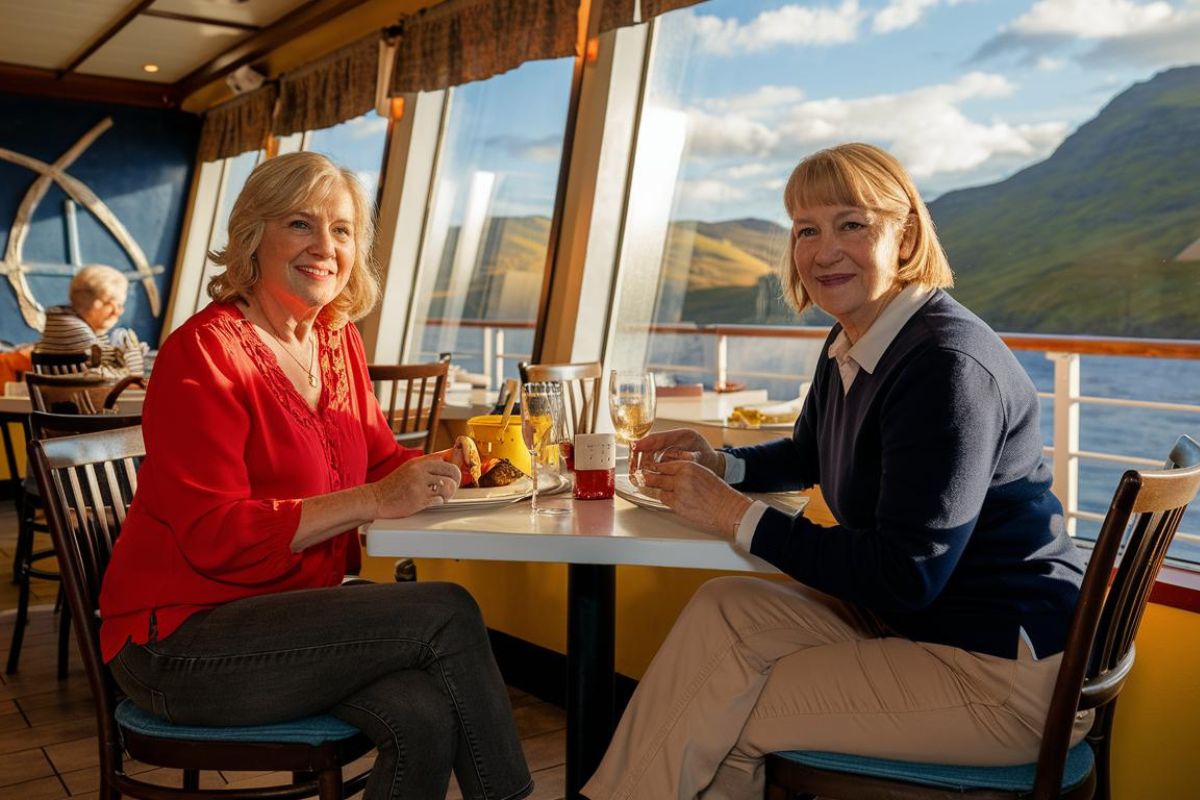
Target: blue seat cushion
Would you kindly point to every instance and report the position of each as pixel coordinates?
(309, 730)
(948, 776)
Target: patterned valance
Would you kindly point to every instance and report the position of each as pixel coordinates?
(469, 40)
(619, 13)
(237, 126)
(338, 87)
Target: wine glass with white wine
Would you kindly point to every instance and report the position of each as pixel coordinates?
(631, 404)
(543, 424)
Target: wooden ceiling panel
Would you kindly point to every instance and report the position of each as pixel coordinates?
(176, 47)
(260, 13)
(49, 33)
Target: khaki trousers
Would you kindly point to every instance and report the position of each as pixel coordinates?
(755, 666)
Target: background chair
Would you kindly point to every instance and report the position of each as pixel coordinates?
(1097, 658)
(60, 363)
(413, 395)
(88, 481)
(581, 391)
(77, 394)
(79, 397)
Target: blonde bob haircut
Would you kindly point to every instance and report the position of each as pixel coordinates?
(97, 282)
(276, 188)
(864, 176)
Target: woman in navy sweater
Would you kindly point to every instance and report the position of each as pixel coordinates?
(928, 624)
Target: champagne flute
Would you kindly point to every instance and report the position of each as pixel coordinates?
(543, 423)
(631, 403)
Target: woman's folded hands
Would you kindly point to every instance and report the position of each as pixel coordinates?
(686, 474)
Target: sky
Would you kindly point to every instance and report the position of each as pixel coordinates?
(963, 92)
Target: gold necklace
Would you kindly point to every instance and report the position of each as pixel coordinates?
(312, 353)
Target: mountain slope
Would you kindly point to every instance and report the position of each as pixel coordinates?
(1086, 241)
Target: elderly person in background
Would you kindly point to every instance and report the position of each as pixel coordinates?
(929, 623)
(265, 450)
(97, 296)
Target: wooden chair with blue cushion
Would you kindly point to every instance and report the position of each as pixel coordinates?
(88, 481)
(1096, 661)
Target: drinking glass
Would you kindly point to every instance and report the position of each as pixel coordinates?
(631, 404)
(543, 423)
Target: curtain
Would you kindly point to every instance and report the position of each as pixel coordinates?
(338, 87)
(615, 14)
(237, 126)
(469, 40)
(652, 8)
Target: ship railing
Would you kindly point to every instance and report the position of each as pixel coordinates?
(1064, 352)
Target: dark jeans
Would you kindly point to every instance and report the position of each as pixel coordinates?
(409, 664)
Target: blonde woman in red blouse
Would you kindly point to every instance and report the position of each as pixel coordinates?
(266, 449)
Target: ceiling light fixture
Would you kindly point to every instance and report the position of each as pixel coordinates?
(150, 67)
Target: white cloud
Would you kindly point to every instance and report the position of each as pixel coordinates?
(709, 190)
(1122, 31)
(900, 14)
(925, 128)
(1050, 64)
(762, 98)
(1091, 19)
(787, 25)
(365, 127)
(723, 135)
(750, 169)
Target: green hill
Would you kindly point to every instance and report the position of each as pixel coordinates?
(1086, 241)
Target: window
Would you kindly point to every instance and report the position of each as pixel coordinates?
(356, 145)
(488, 221)
(1051, 147)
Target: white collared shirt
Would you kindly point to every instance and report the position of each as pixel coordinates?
(851, 358)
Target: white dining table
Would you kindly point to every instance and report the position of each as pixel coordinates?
(595, 537)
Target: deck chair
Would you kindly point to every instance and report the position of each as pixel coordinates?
(581, 391)
(412, 396)
(88, 481)
(1098, 656)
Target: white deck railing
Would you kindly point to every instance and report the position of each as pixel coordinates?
(1063, 351)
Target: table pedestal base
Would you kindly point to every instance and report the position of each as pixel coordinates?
(591, 671)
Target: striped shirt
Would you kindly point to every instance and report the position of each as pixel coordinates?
(67, 332)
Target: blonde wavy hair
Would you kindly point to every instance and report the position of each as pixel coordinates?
(276, 188)
(864, 176)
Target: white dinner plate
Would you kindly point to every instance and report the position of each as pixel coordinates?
(637, 495)
(766, 426)
(474, 497)
(790, 503)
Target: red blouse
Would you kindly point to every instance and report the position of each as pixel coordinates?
(231, 450)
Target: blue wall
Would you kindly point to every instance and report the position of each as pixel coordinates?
(141, 168)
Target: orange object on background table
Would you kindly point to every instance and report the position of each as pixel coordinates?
(13, 365)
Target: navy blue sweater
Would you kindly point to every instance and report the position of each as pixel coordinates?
(932, 467)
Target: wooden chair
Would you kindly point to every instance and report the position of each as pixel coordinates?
(43, 426)
(77, 394)
(581, 391)
(60, 363)
(413, 396)
(1098, 656)
(88, 481)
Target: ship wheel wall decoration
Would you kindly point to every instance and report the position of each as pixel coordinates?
(16, 268)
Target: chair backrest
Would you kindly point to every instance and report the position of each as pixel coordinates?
(60, 363)
(76, 394)
(87, 482)
(44, 425)
(413, 395)
(1099, 652)
(581, 391)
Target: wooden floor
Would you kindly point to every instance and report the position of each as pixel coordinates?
(48, 730)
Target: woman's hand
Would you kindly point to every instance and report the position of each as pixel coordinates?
(697, 494)
(681, 444)
(415, 485)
